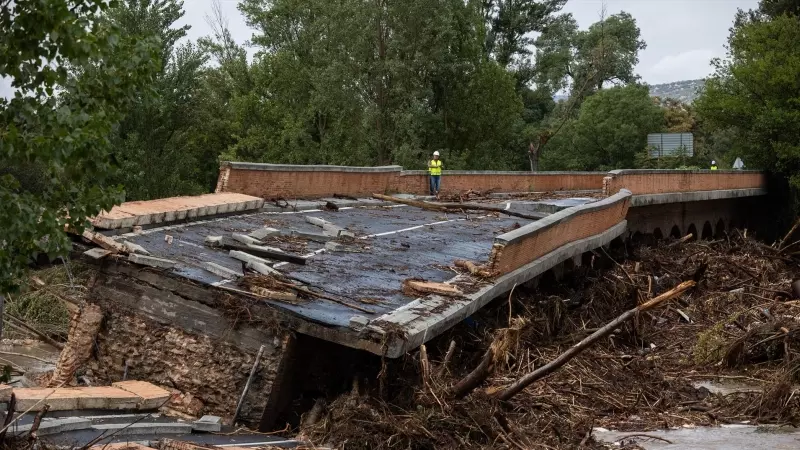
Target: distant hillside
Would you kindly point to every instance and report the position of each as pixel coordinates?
(685, 91)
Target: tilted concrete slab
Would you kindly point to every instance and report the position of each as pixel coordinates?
(428, 317)
(94, 397)
(173, 209)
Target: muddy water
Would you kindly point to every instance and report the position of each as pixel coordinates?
(727, 437)
(35, 356)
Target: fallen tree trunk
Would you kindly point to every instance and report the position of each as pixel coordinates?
(444, 207)
(587, 342)
(476, 377)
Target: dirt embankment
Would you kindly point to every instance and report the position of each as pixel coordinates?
(740, 323)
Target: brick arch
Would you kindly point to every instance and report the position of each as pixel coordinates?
(675, 232)
(708, 232)
(658, 234)
(719, 230)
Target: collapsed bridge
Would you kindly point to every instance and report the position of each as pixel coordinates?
(190, 284)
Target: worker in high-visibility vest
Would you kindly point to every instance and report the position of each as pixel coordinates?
(435, 171)
(713, 165)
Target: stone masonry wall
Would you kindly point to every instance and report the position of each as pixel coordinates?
(206, 376)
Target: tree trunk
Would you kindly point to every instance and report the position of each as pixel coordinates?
(587, 342)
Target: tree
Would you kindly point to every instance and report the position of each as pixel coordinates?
(355, 82)
(510, 24)
(154, 143)
(755, 91)
(584, 61)
(610, 130)
(60, 123)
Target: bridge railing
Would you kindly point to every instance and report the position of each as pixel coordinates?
(302, 181)
(514, 250)
(671, 181)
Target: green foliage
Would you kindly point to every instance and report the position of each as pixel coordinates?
(375, 82)
(755, 93)
(584, 61)
(610, 130)
(155, 143)
(59, 124)
(510, 23)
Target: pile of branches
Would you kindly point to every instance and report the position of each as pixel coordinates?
(736, 318)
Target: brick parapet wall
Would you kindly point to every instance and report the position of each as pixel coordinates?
(516, 249)
(641, 182)
(288, 181)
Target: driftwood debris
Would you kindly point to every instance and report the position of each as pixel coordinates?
(311, 293)
(587, 342)
(412, 287)
(473, 268)
(445, 207)
(247, 384)
(22, 324)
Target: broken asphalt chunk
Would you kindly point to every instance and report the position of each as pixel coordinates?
(97, 253)
(263, 233)
(244, 239)
(130, 247)
(212, 424)
(222, 271)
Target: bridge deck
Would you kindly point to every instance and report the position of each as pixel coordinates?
(393, 244)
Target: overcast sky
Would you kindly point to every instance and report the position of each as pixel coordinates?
(682, 35)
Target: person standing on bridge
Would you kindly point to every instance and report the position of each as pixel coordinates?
(435, 171)
(713, 165)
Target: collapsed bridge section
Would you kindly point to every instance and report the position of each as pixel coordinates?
(191, 301)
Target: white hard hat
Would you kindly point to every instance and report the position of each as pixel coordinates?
(436, 153)
(713, 162)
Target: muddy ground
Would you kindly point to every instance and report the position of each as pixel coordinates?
(740, 323)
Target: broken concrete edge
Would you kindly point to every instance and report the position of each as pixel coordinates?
(208, 423)
(161, 217)
(422, 324)
(151, 261)
(221, 271)
(51, 426)
(694, 196)
(560, 217)
(128, 429)
(305, 207)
